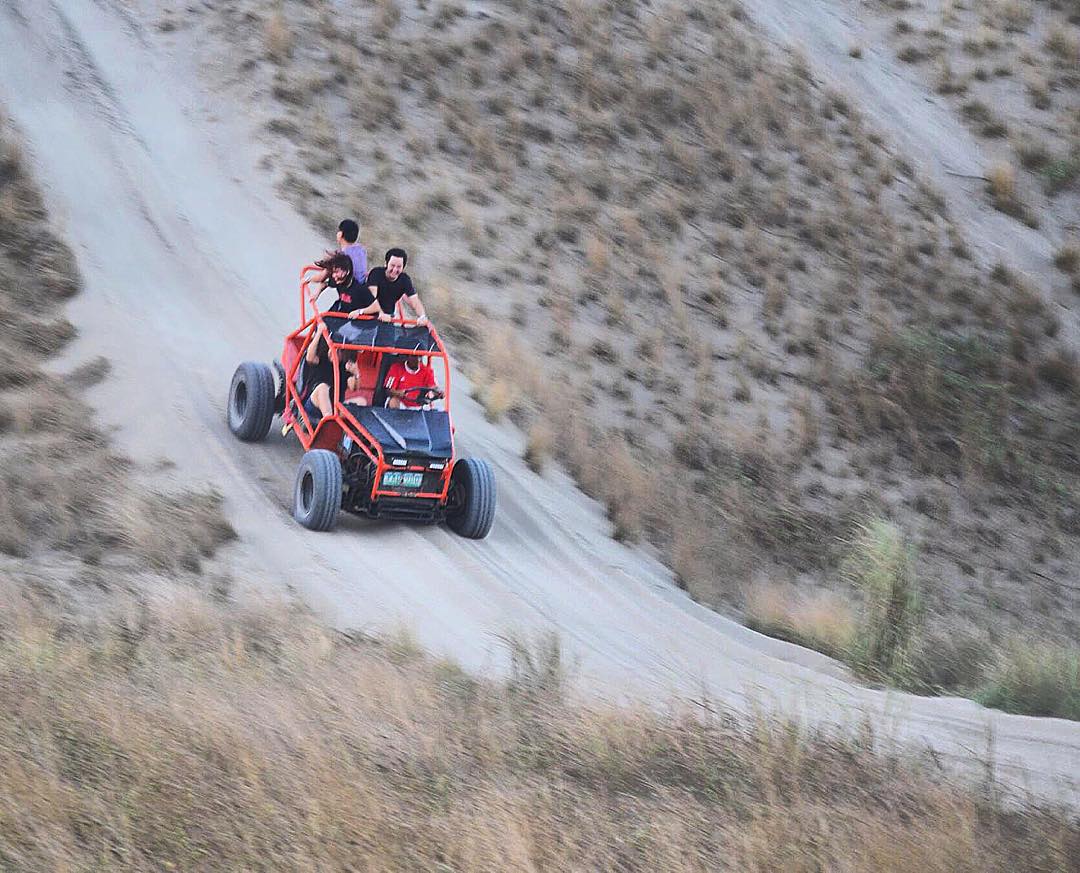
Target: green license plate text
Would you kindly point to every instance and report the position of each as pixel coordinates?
(399, 479)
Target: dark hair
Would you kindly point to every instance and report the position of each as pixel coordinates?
(397, 253)
(350, 230)
(337, 261)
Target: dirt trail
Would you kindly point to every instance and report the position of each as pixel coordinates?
(189, 260)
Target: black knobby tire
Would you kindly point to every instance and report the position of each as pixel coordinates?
(317, 492)
(251, 401)
(470, 509)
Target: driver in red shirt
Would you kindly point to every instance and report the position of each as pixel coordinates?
(410, 384)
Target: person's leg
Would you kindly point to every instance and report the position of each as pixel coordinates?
(320, 396)
(320, 400)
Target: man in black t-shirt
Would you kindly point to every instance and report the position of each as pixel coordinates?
(388, 285)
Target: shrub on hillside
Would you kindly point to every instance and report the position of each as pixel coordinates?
(1035, 678)
(879, 565)
(952, 658)
(948, 400)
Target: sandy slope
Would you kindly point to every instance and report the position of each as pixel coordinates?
(919, 121)
(189, 261)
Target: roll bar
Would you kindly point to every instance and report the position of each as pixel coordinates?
(317, 323)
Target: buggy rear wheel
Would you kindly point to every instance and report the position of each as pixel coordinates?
(317, 492)
(251, 401)
(470, 505)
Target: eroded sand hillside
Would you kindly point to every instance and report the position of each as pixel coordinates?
(743, 270)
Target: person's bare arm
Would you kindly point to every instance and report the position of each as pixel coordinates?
(318, 280)
(417, 307)
(372, 308)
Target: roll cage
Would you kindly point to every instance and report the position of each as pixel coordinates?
(370, 439)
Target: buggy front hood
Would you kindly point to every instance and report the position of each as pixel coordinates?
(407, 431)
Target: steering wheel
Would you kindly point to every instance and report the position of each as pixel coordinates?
(420, 394)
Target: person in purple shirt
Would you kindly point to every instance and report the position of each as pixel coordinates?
(348, 234)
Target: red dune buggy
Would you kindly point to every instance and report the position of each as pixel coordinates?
(365, 457)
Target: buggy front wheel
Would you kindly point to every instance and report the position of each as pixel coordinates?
(317, 492)
(470, 505)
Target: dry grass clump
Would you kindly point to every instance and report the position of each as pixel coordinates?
(912, 54)
(498, 395)
(627, 486)
(22, 214)
(1001, 178)
(507, 377)
(980, 114)
(883, 635)
(1062, 173)
(1067, 259)
(186, 735)
(611, 469)
(950, 657)
(1001, 183)
(1014, 15)
(387, 18)
(452, 315)
(18, 199)
(279, 37)
(823, 621)
(539, 442)
(1061, 370)
(1064, 43)
(1035, 678)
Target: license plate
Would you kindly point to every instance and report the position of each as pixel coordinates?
(400, 479)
